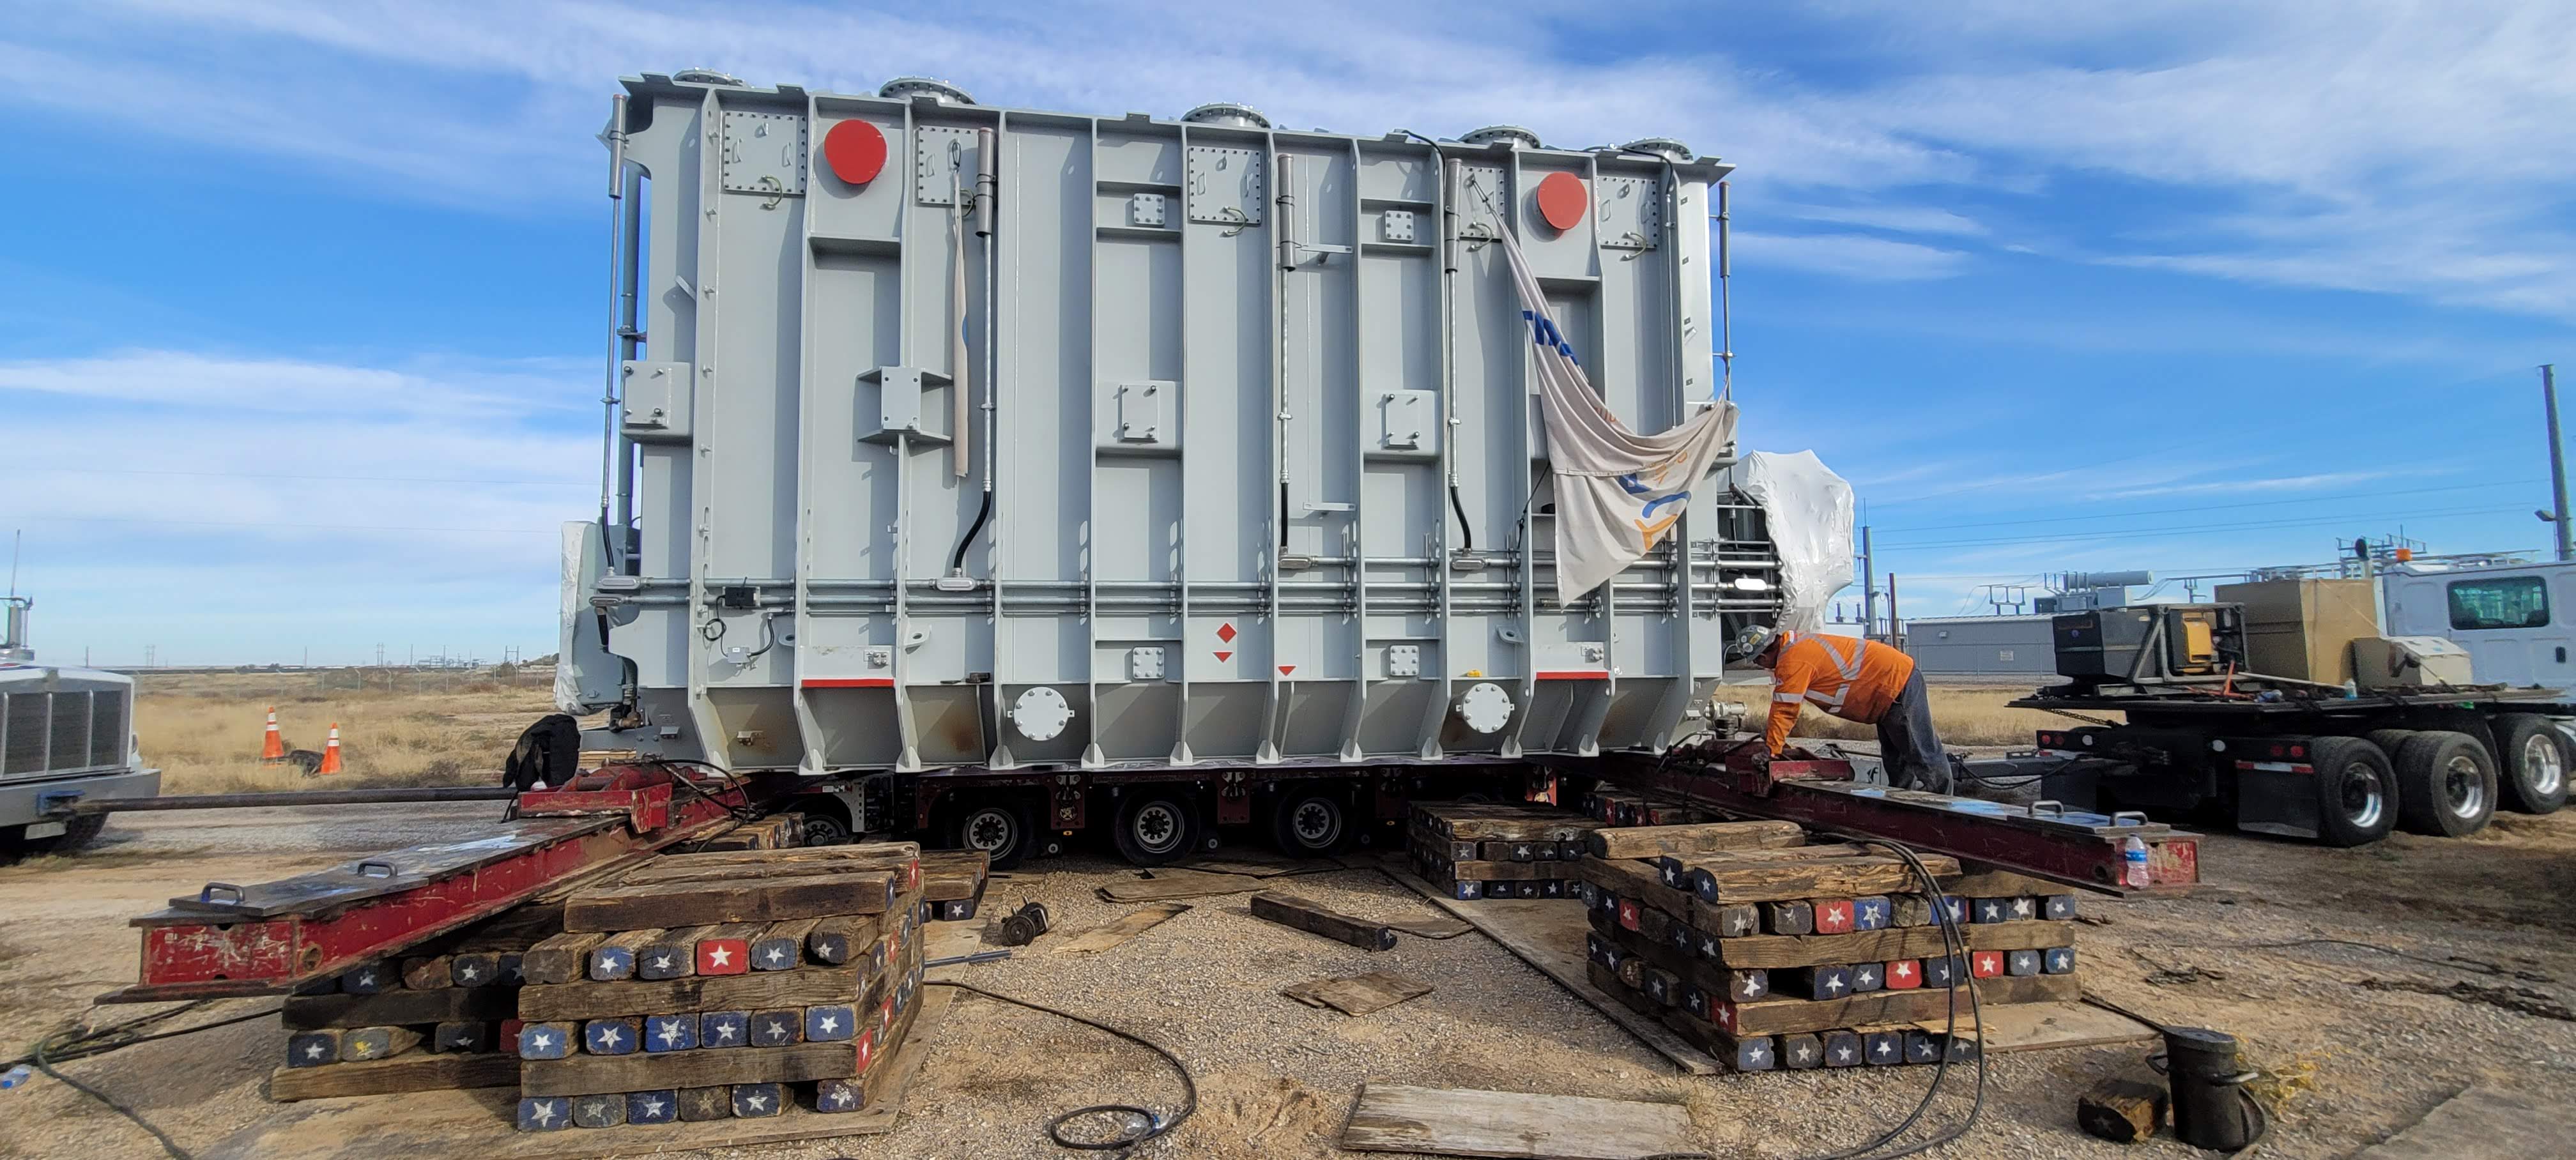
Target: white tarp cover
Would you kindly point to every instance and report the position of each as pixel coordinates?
(1617, 492)
(1809, 510)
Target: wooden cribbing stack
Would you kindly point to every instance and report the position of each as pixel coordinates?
(1772, 951)
(440, 1017)
(1472, 850)
(778, 979)
(952, 883)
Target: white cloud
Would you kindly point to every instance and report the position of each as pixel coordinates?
(1862, 256)
(2308, 482)
(1902, 219)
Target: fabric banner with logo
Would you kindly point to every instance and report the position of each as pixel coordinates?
(1617, 492)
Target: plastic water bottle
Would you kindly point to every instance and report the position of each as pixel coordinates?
(16, 1076)
(2134, 853)
(2351, 689)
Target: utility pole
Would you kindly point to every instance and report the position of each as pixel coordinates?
(1895, 628)
(1868, 588)
(2557, 462)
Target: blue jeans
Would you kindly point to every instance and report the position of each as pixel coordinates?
(1906, 743)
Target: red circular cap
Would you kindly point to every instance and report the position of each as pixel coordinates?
(1560, 200)
(856, 151)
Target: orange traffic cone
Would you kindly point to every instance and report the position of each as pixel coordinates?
(274, 749)
(331, 751)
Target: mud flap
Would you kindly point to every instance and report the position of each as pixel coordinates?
(2272, 802)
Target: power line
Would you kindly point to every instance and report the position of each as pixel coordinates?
(2137, 533)
(327, 478)
(2209, 507)
(316, 527)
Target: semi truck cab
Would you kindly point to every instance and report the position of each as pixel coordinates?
(65, 734)
(2514, 619)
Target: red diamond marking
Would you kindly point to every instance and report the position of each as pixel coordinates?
(1225, 656)
(1225, 632)
(1284, 670)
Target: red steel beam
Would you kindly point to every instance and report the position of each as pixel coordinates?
(2082, 850)
(277, 937)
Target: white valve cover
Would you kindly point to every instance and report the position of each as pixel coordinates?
(1485, 707)
(1040, 713)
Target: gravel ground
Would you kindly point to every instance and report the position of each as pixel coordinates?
(2387, 1039)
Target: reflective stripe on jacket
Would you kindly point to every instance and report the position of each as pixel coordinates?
(1853, 679)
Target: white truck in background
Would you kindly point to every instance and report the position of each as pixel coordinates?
(2514, 619)
(65, 734)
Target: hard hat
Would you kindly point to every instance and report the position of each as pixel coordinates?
(1749, 643)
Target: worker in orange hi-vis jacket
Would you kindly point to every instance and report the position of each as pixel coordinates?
(1857, 680)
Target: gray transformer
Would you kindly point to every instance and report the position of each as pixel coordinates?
(945, 436)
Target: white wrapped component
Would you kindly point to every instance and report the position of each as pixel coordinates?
(577, 576)
(1809, 510)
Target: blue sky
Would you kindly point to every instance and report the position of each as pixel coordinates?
(301, 302)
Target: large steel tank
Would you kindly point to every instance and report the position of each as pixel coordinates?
(944, 435)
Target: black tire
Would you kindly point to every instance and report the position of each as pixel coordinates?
(1156, 827)
(2357, 796)
(79, 831)
(1003, 830)
(2388, 740)
(1311, 822)
(2446, 784)
(824, 826)
(2533, 756)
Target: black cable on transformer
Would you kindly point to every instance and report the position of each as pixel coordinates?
(1150, 1124)
(957, 561)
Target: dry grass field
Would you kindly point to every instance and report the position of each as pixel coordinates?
(397, 726)
(400, 727)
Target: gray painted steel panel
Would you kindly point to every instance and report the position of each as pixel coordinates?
(1965, 645)
(1197, 333)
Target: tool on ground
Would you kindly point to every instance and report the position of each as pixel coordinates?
(1022, 927)
(966, 960)
(2211, 1108)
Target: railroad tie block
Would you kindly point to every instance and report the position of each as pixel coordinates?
(1872, 914)
(659, 1106)
(545, 1114)
(463, 1036)
(1985, 964)
(475, 970)
(1904, 975)
(724, 956)
(754, 1100)
(1551, 888)
(2122, 1110)
(1589, 893)
(1834, 916)
(1961, 1048)
(1593, 945)
(1884, 1048)
(1524, 852)
(1757, 1053)
(724, 1029)
(312, 1048)
(514, 968)
(1704, 944)
(508, 1037)
(706, 1103)
(1527, 889)
(829, 1024)
(1909, 910)
(665, 958)
(2024, 909)
(426, 972)
(777, 950)
(777, 1028)
(957, 910)
(1695, 1001)
(2021, 964)
(839, 1095)
(367, 979)
(1820, 983)
(364, 1043)
(1682, 938)
(1628, 912)
(611, 963)
(670, 1033)
(863, 1050)
(1941, 972)
(1466, 890)
(1922, 1047)
(1632, 971)
(599, 1111)
(1868, 977)
(1801, 1052)
(1960, 912)
(612, 1036)
(1788, 918)
(1739, 920)
(1702, 882)
(2057, 907)
(1748, 985)
(2057, 961)
(1992, 910)
(1844, 1049)
(1669, 868)
(1663, 986)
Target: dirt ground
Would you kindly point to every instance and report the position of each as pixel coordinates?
(2365, 1042)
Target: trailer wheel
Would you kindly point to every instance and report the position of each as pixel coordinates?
(1156, 827)
(2357, 794)
(1003, 831)
(2534, 756)
(1310, 822)
(2389, 740)
(2446, 784)
(824, 826)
